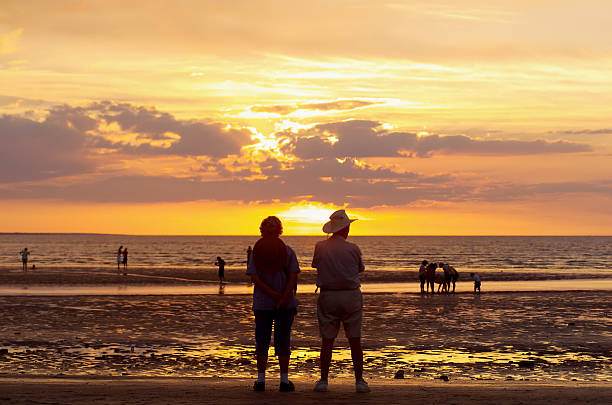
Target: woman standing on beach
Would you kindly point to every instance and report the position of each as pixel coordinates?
(119, 252)
(273, 269)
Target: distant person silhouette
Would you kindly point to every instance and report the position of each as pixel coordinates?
(125, 259)
(249, 252)
(450, 275)
(119, 260)
(221, 263)
(477, 282)
(431, 276)
(423, 274)
(24, 259)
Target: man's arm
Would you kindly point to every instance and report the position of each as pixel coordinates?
(361, 266)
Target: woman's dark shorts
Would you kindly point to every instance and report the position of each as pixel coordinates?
(282, 320)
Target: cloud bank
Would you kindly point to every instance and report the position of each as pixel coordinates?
(360, 138)
(66, 156)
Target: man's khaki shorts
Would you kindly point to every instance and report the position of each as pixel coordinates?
(343, 306)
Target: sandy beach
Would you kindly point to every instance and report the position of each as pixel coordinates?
(499, 347)
(237, 391)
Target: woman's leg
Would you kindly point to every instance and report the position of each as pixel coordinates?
(263, 331)
(283, 321)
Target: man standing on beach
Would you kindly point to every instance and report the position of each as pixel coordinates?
(24, 259)
(338, 265)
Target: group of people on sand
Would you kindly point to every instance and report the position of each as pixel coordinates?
(273, 268)
(428, 278)
(122, 258)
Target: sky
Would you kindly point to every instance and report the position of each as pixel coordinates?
(432, 117)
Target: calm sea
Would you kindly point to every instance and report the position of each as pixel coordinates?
(517, 253)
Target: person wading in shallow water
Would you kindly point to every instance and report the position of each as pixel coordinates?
(221, 273)
(273, 269)
(338, 265)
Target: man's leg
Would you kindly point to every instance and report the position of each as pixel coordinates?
(327, 346)
(357, 356)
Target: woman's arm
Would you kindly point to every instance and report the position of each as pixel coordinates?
(263, 287)
(288, 293)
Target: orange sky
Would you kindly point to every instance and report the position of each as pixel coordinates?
(202, 117)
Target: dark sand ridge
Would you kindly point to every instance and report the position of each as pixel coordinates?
(237, 391)
(174, 276)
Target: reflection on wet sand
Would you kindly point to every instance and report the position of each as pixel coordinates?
(603, 284)
(523, 336)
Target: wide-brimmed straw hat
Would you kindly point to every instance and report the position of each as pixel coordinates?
(338, 220)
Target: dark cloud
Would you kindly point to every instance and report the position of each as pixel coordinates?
(323, 180)
(327, 180)
(512, 191)
(197, 138)
(339, 105)
(34, 150)
(602, 131)
(361, 138)
(65, 141)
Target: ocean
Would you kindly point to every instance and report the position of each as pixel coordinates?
(556, 254)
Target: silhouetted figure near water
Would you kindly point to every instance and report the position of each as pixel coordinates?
(430, 274)
(249, 252)
(423, 275)
(24, 259)
(477, 282)
(450, 275)
(119, 260)
(273, 269)
(125, 259)
(221, 273)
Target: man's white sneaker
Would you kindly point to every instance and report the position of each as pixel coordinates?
(362, 386)
(320, 386)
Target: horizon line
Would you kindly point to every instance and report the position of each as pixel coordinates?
(320, 234)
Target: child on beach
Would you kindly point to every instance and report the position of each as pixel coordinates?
(273, 269)
(476, 278)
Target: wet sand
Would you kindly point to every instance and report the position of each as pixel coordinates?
(184, 276)
(237, 391)
(521, 336)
